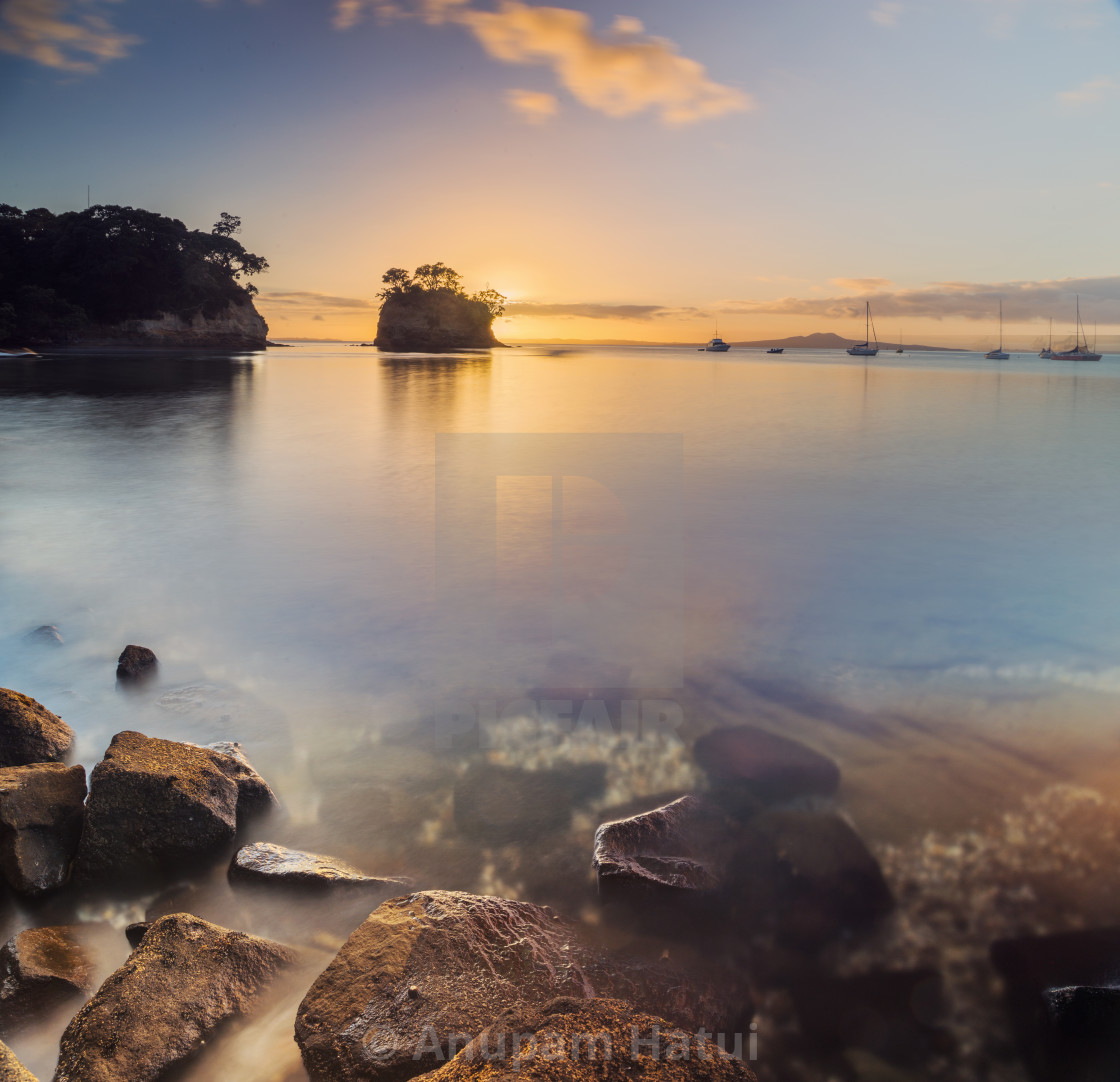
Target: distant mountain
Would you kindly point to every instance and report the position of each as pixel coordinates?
(827, 341)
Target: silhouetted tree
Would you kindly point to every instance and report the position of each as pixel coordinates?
(438, 276)
(107, 263)
(397, 280)
(495, 302)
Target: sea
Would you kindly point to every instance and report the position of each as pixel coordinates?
(374, 570)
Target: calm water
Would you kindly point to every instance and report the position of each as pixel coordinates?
(910, 564)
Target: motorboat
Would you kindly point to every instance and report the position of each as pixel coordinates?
(717, 345)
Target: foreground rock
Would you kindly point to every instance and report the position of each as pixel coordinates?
(29, 732)
(773, 768)
(254, 794)
(185, 978)
(11, 1070)
(40, 969)
(264, 862)
(40, 824)
(598, 1040)
(157, 807)
(136, 664)
(444, 962)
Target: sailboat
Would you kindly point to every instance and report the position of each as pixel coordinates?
(865, 348)
(998, 354)
(899, 350)
(1077, 353)
(1049, 350)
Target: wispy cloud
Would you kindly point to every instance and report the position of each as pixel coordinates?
(62, 34)
(1022, 301)
(600, 311)
(294, 298)
(862, 285)
(1089, 92)
(534, 106)
(886, 13)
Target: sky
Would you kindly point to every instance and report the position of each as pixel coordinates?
(643, 170)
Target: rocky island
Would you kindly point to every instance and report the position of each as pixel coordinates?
(429, 312)
(120, 276)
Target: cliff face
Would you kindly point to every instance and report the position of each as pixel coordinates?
(432, 322)
(238, 326)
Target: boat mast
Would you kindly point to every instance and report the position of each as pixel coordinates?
(1001, 324)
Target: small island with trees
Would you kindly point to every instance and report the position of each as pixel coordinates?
(428, 311)
(121, 276)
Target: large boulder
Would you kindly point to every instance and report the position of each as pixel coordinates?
(774, 768)
(11, 1070)
(29, 732)
(157, 807)
(596, 1040)
(185, 978)
(40, 823)
(444, 962)
(268, 863)
(40, 969)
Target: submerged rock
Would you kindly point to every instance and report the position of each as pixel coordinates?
(41, 809)
(29, 732)
(40, 969)
(45, 635)
(808, 876)
(185, 978)
(264, 862)
(503, 804)
(444, 962)
(597, 1040)
(773, 767)
(136, 664)
(11, 1070)
(157, 806)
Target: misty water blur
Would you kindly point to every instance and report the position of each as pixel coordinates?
(910, 562)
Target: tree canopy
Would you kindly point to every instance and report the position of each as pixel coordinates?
(438, 277)
(105, 264)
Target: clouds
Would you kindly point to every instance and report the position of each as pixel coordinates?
(305, 301)
(886, 13)
(1088, 93)
(862, 285)
(533, 106)
(61, 34)
(1022, 301)
(619, 74)
(600, 311)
